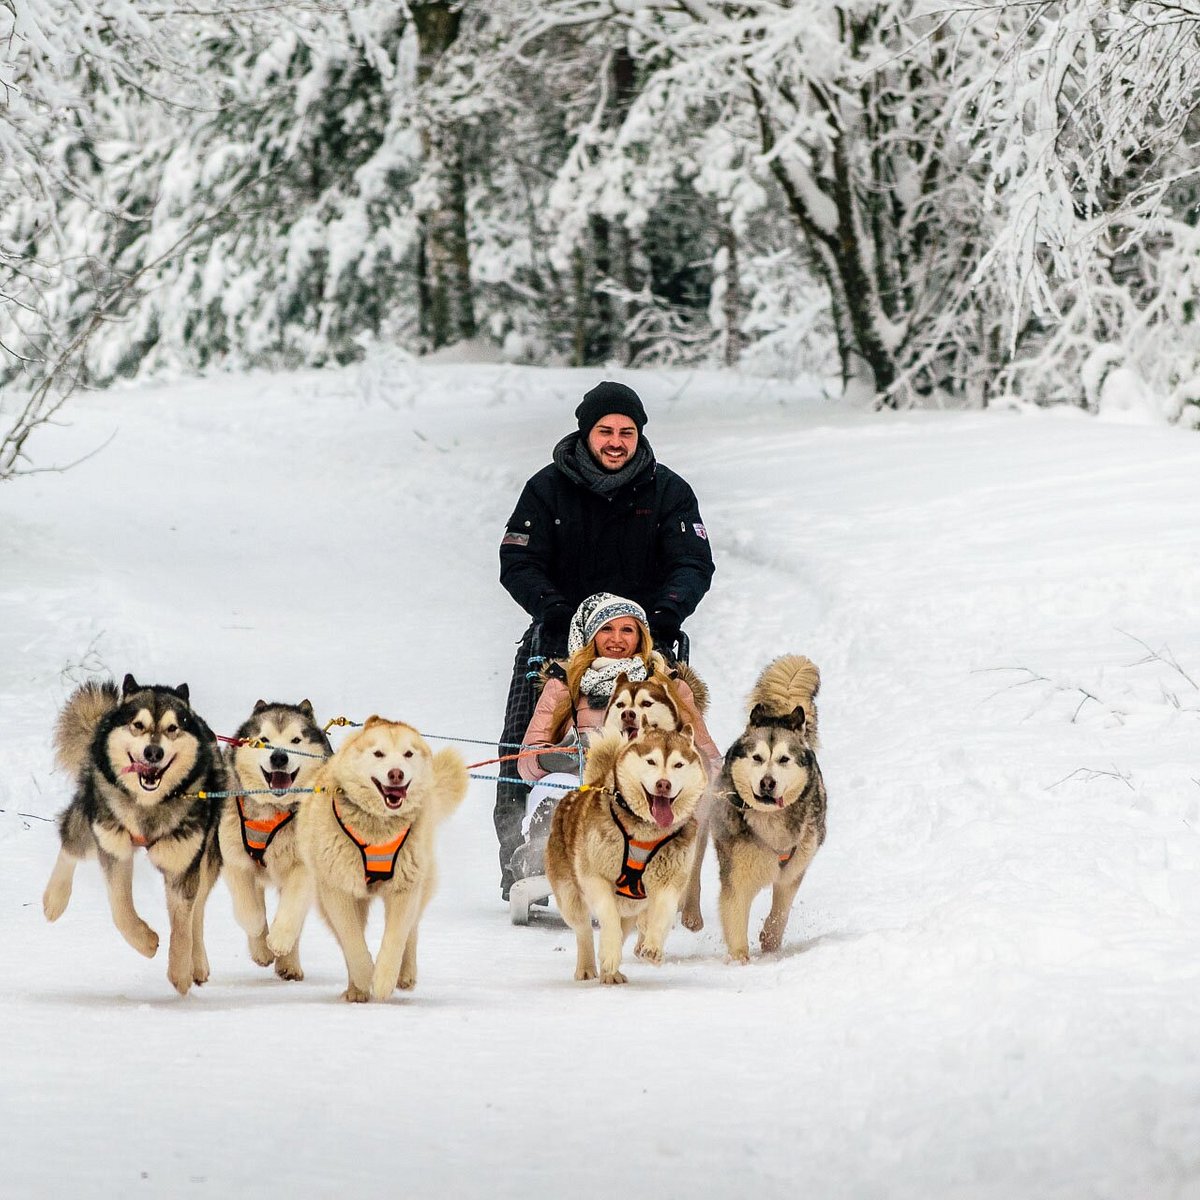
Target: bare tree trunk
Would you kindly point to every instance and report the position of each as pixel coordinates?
(731, 301)
(447, 305)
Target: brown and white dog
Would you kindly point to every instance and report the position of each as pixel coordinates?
(621, 845)
(368, 834)
(768, 814)
(641, 704)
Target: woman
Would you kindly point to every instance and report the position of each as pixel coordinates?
(608, 637)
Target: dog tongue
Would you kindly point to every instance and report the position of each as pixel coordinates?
(660, 810)
(280, 781)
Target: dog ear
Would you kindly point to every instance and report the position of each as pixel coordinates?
(688, 732)
(182, 692)
(374, 719)
(620, 681)
(759, 715)
(259, 705)
(129, 685)
(305, 706)
(795, 720)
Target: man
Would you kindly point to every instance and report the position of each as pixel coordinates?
(605, 516)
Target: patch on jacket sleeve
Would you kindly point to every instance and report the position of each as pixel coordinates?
(514, 539)
(701, 532)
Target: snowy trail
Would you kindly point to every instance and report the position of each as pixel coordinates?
(989, 984)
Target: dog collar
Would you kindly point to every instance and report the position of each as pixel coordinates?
(258, 834)
(379, 858)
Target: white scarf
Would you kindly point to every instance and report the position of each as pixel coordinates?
(601, 677)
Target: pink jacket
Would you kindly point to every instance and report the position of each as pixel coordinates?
(590, 719)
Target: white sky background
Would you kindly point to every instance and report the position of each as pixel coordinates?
(989, 987)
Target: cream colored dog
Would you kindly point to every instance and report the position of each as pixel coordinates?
(276, 752)
(368, 834)
(621, 845)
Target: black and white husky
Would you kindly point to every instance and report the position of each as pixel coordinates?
(140, 756)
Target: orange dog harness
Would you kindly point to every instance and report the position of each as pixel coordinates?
(379, 858)
(637, 858)
(257, 835)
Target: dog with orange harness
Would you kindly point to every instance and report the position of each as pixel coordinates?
(366, 834)
(621, 845)
(273, 758)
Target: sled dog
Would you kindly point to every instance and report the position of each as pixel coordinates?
(621, 845)
(637, 705)
(768, 818)
(139, 757)
(368, 833)
(278, 748)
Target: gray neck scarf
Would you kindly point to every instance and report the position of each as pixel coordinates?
(575, 461)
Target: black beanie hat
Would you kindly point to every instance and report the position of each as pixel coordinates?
(609, 397)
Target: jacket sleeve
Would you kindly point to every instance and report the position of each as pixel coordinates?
(684, 551)
(526, 552)
(538, 731)
(704, 742)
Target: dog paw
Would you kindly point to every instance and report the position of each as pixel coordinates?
(54, 902)
(288, 968)
(585, 973)
(277, 947)
(355, 995)
(181, 981)
(650, 953)
(770, 942)
(406, 983)
(691, 919)
(260, 951)
(200, 970)
(612, 977)
(144, 941)
(741, 957)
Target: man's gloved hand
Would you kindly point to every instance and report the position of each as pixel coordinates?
(664, 627)
(556, 619)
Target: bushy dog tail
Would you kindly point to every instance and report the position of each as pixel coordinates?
(76, 726)
(450, 780)
(601, 758)
(787, 682)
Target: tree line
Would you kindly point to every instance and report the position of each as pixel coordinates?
(935, 202)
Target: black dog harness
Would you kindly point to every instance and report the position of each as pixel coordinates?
(637, 855)
(257, 835)
(379, 858)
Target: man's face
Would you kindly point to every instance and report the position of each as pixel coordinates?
(612, 441)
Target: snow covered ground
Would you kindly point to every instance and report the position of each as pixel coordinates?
(991, 983)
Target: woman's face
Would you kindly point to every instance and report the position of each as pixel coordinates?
(617, 639)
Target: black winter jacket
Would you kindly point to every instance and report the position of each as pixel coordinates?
(647, 542)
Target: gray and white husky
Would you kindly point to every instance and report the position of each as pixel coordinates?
(139, 756)
(768, 817)
(278, 748)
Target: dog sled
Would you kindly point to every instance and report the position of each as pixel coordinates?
(530, 891)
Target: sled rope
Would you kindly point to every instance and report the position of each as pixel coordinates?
(441, 737)
(263, 744)
(521, 754)
(566, 787)
(253, 792)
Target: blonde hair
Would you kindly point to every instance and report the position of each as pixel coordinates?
(564, 711)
